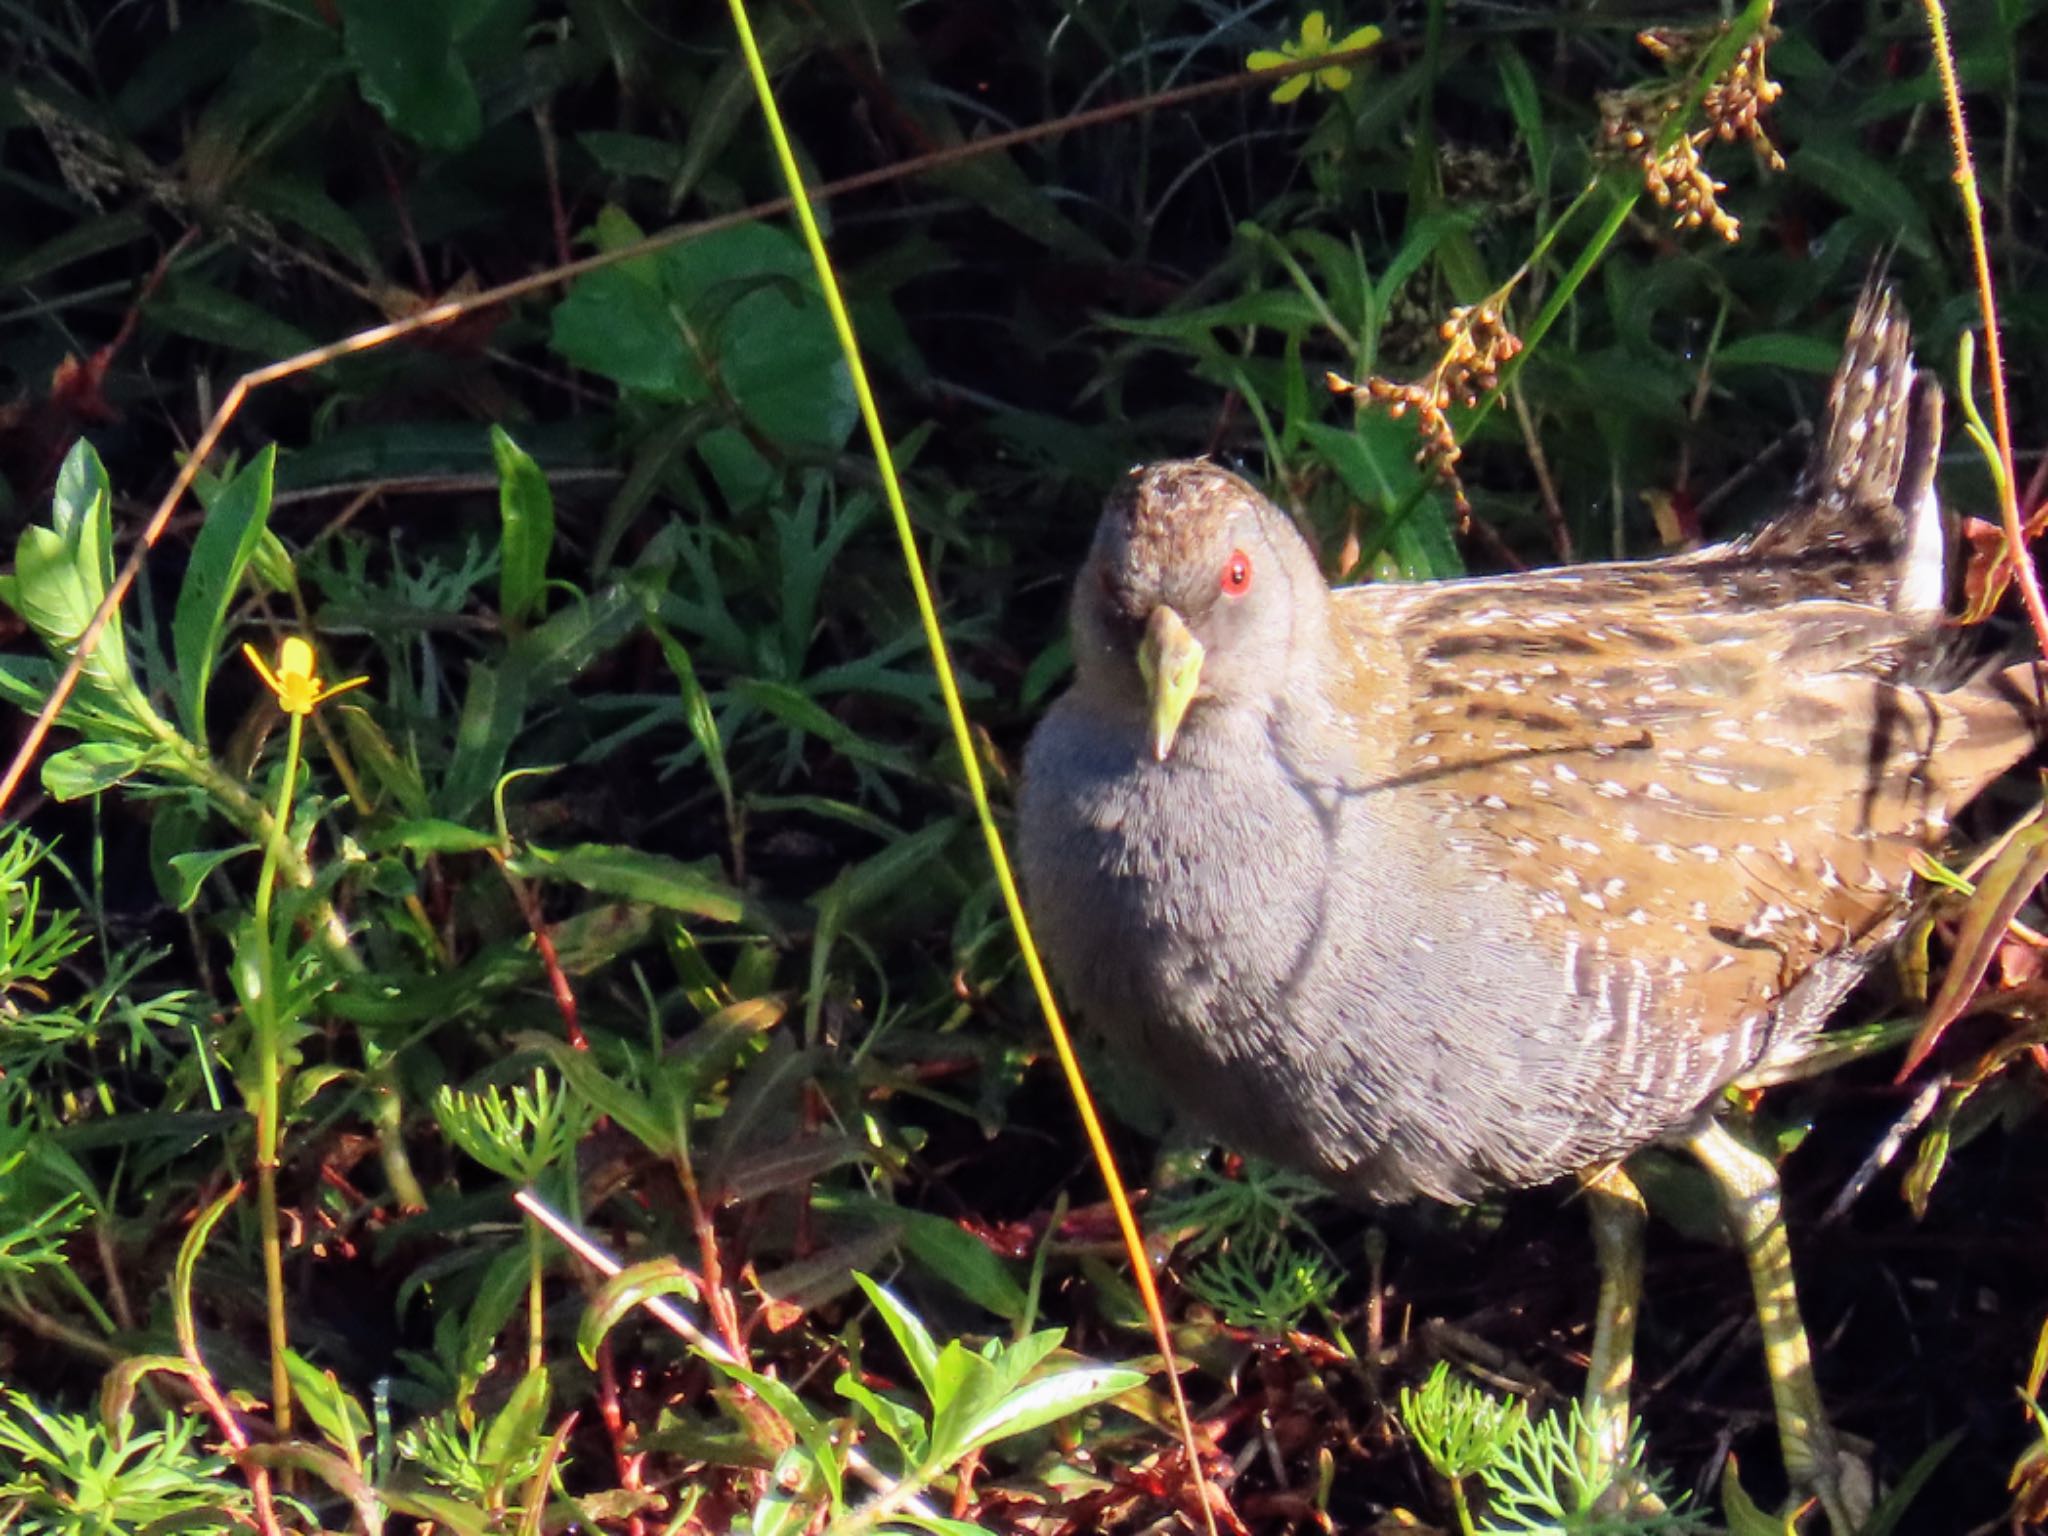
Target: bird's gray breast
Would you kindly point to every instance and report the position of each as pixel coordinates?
(1269, 941)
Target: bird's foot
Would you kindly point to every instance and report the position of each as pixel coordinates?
(1840, 1482)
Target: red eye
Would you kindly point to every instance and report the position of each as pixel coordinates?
(1237, 574)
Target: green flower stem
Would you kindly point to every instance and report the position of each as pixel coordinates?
(386, 1109)
(267, 1023)
(533, 1296)
(1462, 1507)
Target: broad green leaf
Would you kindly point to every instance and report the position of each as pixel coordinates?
(408, 68)
(752, 292)
(615, 325)
(92, 766)
(613, 870)
(526, 512)
(634, 154)
(63, 571)
(227, 539)
(1049, 1398)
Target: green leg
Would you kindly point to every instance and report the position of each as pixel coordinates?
(1616, 1208)
(1813, 1459)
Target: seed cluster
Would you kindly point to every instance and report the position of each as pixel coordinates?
(1477, 344)
(1637, 122)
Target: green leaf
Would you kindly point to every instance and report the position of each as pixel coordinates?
(1869, 187)
(1375, 460)
(943, 1525)
(696, 711)
(189, 872)
(192, 307)
(875, 879)
(490, 1309)
(1741, 1512)
(92, 766)
(408, 69)
(227, 539)
(63, 571)
(912, 1337)
(526, 511)
(611, 869)
(752, 290)
(636, 1114)
(431, 834)
(187, 1262)
(901, 1423)
(1884, 1520)
(631, 1288)
(333, 1411)
(615, 325)
(943, 1249)
(517, 1425)
(795, 708)
(633, 154)
(1780, 349)
(492, 711)
(1518, 84)
(808, 1427)
(1047, 1399)
(1417, 247)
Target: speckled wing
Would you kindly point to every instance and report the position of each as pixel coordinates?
(1698, 805)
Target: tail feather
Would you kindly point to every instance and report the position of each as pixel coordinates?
(1864, 517)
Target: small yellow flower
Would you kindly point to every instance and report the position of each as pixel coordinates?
(1314, 43)
(295, 683)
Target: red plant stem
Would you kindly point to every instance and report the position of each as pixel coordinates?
(1994, 362)
(626, 1463)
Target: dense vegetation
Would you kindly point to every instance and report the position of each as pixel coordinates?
(635, 867)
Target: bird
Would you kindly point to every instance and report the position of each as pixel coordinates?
(1428, 889)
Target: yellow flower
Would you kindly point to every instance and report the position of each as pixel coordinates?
(1314, 43)
(295, 683)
